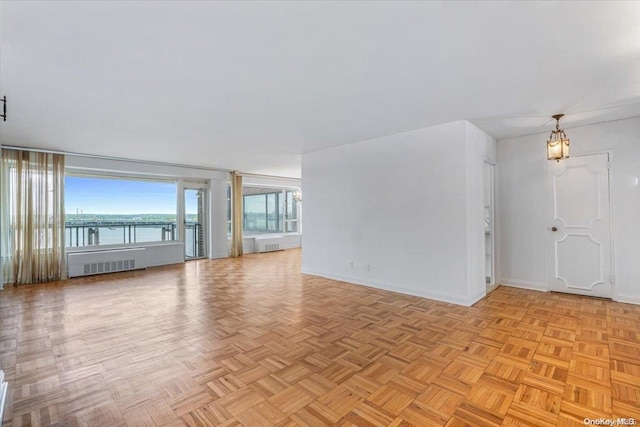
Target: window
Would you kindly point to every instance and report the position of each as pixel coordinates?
(291, 214)
(269, 210)
(112, 211)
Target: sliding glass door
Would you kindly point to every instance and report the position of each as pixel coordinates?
(195, 224)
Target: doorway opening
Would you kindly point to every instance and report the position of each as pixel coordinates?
(195, 224)
(489, 235)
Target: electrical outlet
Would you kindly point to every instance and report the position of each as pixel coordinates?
(368, 267)
(351, 264)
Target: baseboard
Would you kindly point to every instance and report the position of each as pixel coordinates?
(219, 256)
(631, 299)
(385, 286)
(283, 248)
(533, 286)
(294, 246)
(478, 296)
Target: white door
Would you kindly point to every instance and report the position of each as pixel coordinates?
(579, 235)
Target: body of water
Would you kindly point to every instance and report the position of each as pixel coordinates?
(116, 235)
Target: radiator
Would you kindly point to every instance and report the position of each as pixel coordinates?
(268, 243)
(99, 262)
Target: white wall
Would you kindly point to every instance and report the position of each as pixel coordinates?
(393, 212)
(521, 223)
(521, 204)
(218, 219)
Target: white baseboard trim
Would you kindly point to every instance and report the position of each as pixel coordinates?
(385, 286)
(478, 296)
(293, 246)
(534, 286)
(284, 247)
(219, 256)
(628, 298)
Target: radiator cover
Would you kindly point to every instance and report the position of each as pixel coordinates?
(268, 243)
(107, 261)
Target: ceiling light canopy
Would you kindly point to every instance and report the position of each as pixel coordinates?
(558, 143)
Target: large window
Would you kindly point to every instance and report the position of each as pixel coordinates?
(112, 211)
(269, 210)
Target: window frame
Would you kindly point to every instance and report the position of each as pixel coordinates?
(82, 173)
(282, 218)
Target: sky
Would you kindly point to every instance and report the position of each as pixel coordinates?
(118, 196)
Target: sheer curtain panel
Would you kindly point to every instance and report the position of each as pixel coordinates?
(236, 214)
(31, 216)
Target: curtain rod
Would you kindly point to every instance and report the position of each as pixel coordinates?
(148, 162)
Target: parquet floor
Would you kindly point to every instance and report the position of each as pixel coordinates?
(253, 342)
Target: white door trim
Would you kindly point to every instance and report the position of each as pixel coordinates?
(203, 185)
(492, 214)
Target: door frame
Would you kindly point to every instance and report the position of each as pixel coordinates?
(610, 179)
(204, 186)
(491, 165)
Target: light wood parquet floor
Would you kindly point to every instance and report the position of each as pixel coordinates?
(252, 342)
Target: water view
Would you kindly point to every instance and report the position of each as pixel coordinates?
(128, 231)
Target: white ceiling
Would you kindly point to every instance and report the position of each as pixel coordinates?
(252, 85)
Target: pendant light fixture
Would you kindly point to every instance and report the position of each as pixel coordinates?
(558, 143)
(297, 195)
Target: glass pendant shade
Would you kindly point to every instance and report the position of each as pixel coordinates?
(558, 149)
(558, 143)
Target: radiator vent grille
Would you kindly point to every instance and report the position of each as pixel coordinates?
(109, 266)
(268, 243)
(108, 261)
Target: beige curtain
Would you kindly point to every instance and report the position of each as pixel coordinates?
(31, 216)
(236, 214)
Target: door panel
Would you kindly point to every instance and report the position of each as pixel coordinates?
(577, 203)
(579, 236)
(195, 232)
